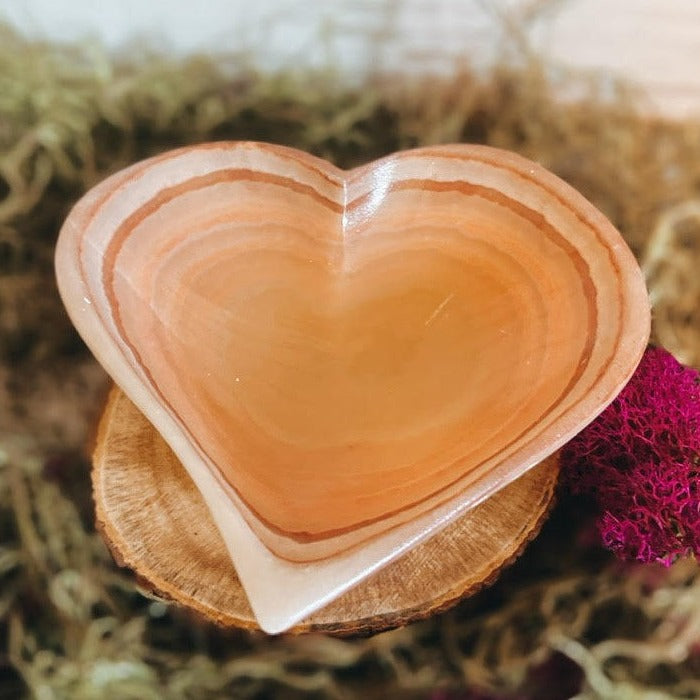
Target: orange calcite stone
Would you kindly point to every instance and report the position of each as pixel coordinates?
(351, 352)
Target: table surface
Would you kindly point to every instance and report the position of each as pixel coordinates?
(655, 44)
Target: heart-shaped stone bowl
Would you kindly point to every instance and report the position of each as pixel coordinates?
(345, 362)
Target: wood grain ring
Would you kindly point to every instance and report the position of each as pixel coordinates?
(155, 522)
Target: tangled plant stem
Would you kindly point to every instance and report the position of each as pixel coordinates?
(80, 114)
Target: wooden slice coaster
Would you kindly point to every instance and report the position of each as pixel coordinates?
(155, 522)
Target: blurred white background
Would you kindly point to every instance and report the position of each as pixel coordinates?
(653, 43)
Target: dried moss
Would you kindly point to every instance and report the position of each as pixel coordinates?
(74, 625)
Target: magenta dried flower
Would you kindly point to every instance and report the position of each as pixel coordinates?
(640, 461)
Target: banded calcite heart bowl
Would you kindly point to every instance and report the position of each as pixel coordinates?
(344, 361)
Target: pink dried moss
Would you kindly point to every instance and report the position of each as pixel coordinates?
(640, 461)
